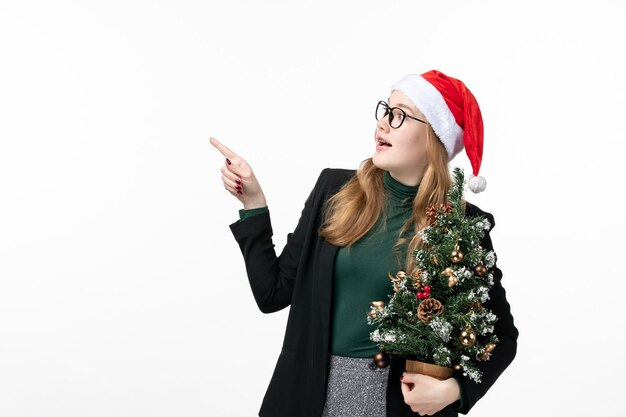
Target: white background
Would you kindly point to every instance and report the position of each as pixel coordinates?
(122, 290)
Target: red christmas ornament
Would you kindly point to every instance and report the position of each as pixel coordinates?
(424, 294)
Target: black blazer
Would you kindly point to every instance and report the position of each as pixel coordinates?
(302, 277)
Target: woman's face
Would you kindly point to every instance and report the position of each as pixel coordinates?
(406, 158)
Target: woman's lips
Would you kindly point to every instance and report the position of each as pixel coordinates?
(382, 141)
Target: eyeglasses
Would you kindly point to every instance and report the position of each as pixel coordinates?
(395, 114)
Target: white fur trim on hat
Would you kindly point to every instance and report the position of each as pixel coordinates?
(430, 102)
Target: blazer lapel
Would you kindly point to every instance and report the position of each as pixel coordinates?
(325, 279)
(321, 310)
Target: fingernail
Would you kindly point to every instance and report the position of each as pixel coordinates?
(237, 181)
(402, 376)
(239, 192)
(238, 187)
(228, 161)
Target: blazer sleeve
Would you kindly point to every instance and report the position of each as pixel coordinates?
(272, 278)
(505, 329)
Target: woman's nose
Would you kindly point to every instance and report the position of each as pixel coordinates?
(383, 124)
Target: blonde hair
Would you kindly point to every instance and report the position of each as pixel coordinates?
(355, 208)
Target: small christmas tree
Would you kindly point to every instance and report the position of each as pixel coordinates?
(435, 314)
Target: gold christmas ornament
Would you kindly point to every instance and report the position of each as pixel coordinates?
(448, 271)
(467, 337)
(457, 367)
(381, 359)
(434, 259)
(376, 307)
(428, 309)
(489, 347)
(480, 270)
(456, 255)
(452, 280)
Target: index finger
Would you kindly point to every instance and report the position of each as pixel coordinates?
(405, 387)
(222, 148)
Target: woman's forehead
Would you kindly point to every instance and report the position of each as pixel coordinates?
(398, 99)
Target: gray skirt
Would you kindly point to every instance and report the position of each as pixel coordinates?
(356, 388)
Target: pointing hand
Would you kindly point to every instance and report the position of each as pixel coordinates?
(239, 179)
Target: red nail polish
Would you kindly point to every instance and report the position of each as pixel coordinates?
(238, 187)
(228, 161)
(237, 181)
(402, 376)
(239, 192)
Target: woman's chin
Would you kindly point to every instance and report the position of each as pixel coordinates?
(378, 163)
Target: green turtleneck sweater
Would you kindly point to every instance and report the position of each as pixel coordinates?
(361, 272)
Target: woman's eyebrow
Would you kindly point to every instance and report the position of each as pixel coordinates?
(405, 107)
(401, 105)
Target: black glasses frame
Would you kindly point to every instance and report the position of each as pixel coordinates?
(389, 114)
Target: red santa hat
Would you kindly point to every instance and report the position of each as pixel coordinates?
(453, 112)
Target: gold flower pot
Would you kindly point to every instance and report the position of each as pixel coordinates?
(436, 371)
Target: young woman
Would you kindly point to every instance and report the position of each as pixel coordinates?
(358, 226)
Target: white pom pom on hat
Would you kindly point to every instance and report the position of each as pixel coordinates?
(477, 184)
(453, 112)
